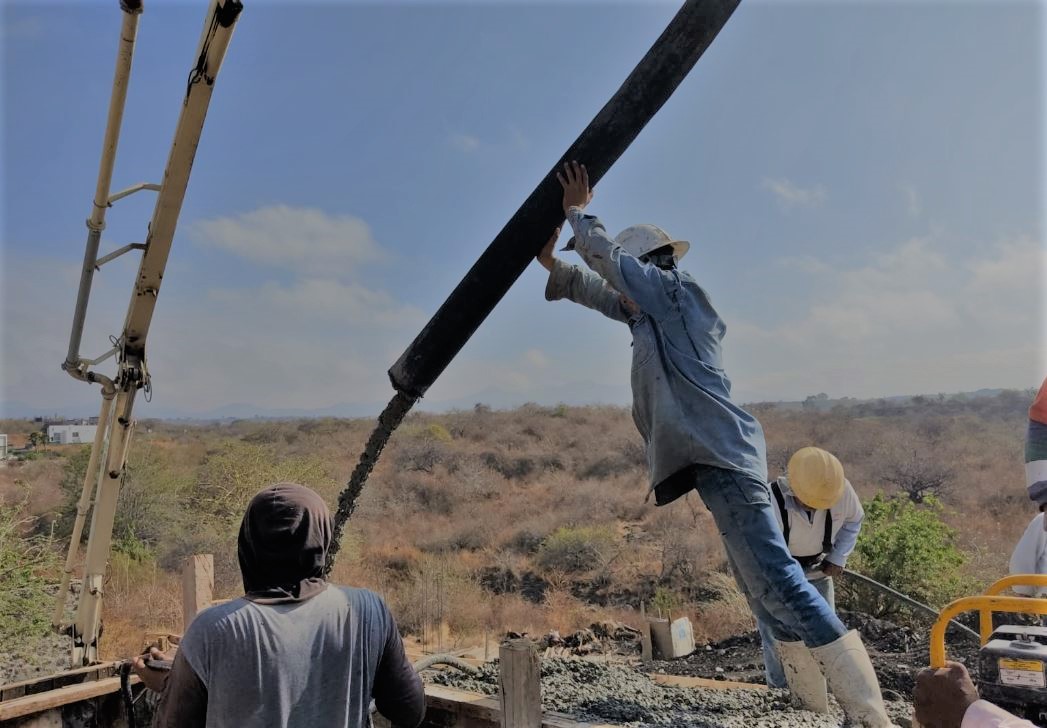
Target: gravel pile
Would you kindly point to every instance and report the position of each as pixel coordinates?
(40, 656)
(614, 693)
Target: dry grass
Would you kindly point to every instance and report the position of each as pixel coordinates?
(726, 615)
(464, 492)
(141, 601)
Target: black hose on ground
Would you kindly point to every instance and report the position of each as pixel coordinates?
(455, 662)
(884, 589)
(126, 694)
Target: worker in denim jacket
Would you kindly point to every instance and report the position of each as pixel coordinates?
(697, 438)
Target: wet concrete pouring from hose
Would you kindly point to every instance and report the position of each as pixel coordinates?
(622, 695)
(388, 421)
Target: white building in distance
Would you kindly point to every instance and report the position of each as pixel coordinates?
(70, 434)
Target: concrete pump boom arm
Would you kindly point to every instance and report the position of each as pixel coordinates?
(109, 451)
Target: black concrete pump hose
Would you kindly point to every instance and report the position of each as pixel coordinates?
(601, 143)
(127, 695)
(426, 662)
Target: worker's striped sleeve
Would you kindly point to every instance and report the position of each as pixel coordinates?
(1036, 448)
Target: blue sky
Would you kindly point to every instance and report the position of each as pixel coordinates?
(863, 184)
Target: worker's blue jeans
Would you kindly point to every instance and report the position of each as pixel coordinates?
(772, 664)
(771, 579)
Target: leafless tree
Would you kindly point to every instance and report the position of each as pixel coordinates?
(917, 473)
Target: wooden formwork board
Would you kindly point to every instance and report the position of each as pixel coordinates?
(58, 680)
(59, 697)
(452, 708)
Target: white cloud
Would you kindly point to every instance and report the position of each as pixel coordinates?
(351, 304)
(1009, 286)
(805, 264)
(790, 195)
(297, 238)
(308, 340)
(537, 358)
(512, 137)
(464, 142)
(37, 301)
(914, 319)
(913, 203)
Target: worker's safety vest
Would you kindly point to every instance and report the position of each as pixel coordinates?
(827, 540)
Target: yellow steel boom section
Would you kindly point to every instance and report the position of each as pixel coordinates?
(115, 424)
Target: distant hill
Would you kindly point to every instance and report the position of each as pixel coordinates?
(816, 402)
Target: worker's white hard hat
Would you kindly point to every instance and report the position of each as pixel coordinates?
(816, 477)
(639, 240)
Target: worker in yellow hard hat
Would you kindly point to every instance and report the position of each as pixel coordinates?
(820, 516)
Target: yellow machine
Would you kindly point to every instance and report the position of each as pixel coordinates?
(1012, 662)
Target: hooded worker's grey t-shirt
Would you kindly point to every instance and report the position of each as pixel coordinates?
(306, 664)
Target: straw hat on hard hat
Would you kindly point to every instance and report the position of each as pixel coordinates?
(816, 477)
(639, 240)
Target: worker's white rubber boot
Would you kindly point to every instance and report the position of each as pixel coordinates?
(851, 677)
(804, 676)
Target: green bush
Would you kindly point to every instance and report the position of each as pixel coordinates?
(150, 503)
(27, 564)
(665, 602)
(232, 474)
(436, 431)
(907, 547)
(576, 549)
(72, 485)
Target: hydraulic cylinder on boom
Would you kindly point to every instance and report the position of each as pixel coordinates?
(105, 468)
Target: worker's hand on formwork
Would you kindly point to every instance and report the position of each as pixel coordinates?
(942, 696)
(546, 257)
(155, 679)
(831, 569)
(575, 183)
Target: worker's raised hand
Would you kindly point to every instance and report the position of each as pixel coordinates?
(575, 183)
(942, 696)
(546, 257)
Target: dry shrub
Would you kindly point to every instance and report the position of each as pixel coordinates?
(688, 546)
(466, 530)
(727, 615)
(438, 592)
(565, 613)
(42, 477)
(141, 601)
(483, 488)
(512, 612)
